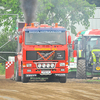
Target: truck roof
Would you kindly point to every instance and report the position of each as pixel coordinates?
(42, 27)
(45, 29)
(93, 32)
(79, 34)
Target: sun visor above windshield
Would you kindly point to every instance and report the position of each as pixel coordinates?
(45, 30)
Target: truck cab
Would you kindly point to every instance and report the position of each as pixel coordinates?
(43, 52)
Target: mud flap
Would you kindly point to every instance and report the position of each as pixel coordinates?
(9, 69)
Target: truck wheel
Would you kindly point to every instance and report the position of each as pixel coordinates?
(17, 77)
(81, 69)
(63, 79)
(24, 79)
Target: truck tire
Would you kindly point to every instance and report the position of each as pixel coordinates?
(17, 77)
(81, 69)
(63, 79)
(24, 79)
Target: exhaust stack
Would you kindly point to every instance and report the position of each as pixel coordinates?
(29, 10)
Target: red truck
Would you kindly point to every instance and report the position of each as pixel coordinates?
(42, 52)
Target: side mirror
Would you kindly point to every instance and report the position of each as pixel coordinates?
(20, 39)
(73, 45)
(75, 53)
(69, 39)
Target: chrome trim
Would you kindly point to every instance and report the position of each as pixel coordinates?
(45, 63)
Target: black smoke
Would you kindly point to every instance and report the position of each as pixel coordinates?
(29, 10)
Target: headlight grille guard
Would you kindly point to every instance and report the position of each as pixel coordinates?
(45, 65)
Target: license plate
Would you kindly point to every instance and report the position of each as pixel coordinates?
(45, 72)
(97, 68)
(60, 74)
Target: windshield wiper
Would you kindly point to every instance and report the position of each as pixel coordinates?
(56, 42)
(48, 42)
(33, 42)
(44, 42)
(39, 42)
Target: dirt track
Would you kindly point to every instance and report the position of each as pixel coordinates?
(71, 90)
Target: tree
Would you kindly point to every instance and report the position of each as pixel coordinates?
(10, 46)
(9, 24)
(44, 6)
(9, 21)
(96, 2)
(66, 12)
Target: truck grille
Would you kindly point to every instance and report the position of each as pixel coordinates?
(45, 55)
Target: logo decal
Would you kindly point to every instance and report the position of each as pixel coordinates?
(45, 49)
(97, 68)
(46, 55)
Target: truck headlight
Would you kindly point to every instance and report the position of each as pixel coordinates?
(52, 65)
(62, 64)
(43, 65)
(39, 65)
(48, 65)
(29, 65)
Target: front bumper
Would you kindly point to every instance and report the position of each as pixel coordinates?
(40, 71)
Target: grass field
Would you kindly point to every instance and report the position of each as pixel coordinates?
(97, 80)
(2, 69)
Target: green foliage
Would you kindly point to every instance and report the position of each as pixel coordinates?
(44, 6)
(9, 21)
(11, 46)
(66, 12)
(93, 80)
(96, 2)
(2, 69)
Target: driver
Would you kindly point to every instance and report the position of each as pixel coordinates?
(30, 37)
(98, 41)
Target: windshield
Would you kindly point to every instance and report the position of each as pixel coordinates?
(46, 38)
(93, 42)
